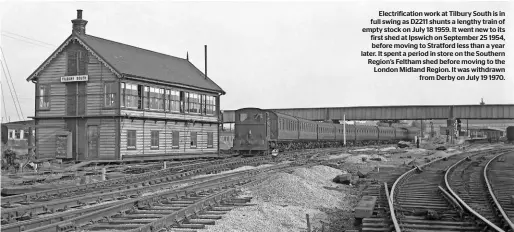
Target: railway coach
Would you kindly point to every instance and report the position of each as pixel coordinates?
(258, 131)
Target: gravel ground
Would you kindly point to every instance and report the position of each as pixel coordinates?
(284, 200)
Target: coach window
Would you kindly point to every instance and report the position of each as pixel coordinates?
(131, 140)
(44, 97)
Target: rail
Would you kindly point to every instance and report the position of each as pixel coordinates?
(493, 196)
(391, 209)
(468, 208)
(227, 182)
(121, 180)
(395, 221)
(400, 179)
(453, 201)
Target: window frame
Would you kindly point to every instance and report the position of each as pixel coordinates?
(131, 140)
(175, 101)
(175, 136)
(210, 105)
(154, 142)
(112, 94)
(46, 95)
(210, 139)
(17, 134)
(80, 58)
(193, 143)
(146, 97)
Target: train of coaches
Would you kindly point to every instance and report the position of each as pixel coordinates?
(259, 131)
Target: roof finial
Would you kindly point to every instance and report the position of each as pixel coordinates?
(187, 56)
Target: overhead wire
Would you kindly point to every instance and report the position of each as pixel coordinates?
(3, 100)
(26, 41)
(29, 38)
(12, 83)
(10, 90)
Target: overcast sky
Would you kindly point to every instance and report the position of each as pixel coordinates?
(263, 54)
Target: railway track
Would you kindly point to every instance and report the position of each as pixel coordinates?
(499, 179)
(189, 207)
(52, 206)
(381, 218)
(466, 181)
(29, 206)
(421, 204)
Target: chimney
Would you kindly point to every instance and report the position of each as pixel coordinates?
(79, 25)
(205, 46)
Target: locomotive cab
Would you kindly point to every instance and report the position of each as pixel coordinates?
(251, 131)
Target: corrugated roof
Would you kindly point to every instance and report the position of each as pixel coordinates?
(143, 63)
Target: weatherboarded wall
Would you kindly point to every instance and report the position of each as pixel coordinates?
(166, 131)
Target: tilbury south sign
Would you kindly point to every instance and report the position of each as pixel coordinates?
(74, 78)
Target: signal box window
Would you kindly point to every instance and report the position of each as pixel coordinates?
(44, 97)
(174, 100)
(183, 102)
(175, 139)
(210, 105)
(210, 139)
(154, 144)
(131, 140)
(109, 94)
(193, 140)
(77, 62)
(131, 96)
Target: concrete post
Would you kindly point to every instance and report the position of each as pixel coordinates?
(164, 166)
(344, 129)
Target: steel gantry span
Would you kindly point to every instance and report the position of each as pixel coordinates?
(411, 112)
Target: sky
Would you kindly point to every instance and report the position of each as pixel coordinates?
(263, 54)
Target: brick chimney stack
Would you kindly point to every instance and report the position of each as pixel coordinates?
(79, 25)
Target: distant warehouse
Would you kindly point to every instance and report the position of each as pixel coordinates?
(100, 99)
